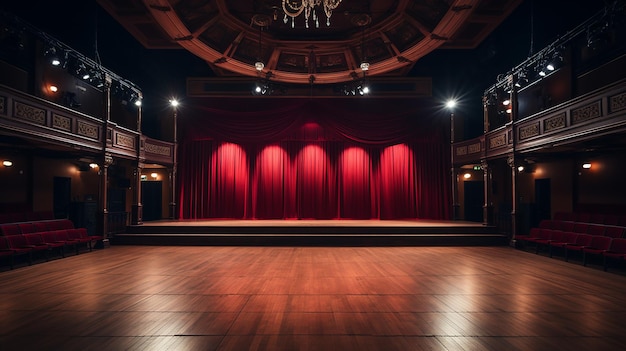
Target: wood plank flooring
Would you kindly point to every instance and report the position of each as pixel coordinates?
(311, 298)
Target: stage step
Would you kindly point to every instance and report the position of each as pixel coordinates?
(287, 235)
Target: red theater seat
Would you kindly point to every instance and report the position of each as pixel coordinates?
(548, 237)
(10, 229)
(566, 238)
(598, 245)
(5, 251)
(617, 251)
(51, 240)
(35, 241)
(614, 232)
(582, 241)
(594, 229)
(40, 226)
(18, 244)
(61, 235)
(27, 228)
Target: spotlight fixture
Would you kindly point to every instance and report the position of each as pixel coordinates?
(52, 55)
(262, 88)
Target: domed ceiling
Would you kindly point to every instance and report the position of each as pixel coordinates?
(231, 36)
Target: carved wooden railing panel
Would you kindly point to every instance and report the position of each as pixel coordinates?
(589, 116)
(157, 151)
(586, 117)
(28, 116)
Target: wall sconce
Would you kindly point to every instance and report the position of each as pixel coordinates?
(7, 163)
(144, 177)
(154, 175)
(467, 176)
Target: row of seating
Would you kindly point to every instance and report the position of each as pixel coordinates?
(612, 231)
(16, 217)
(607, 247)
(42, 237)
(597, 218)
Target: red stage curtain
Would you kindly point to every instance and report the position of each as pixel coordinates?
(305, 160)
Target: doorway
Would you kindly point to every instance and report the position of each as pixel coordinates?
(543, 204)
(61, 196)
(474, 200)
(152, 200)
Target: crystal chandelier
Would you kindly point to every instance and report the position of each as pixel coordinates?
(293, 9)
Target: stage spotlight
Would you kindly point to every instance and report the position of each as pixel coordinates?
(53, 56)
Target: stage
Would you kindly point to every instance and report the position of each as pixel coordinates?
(311, 232)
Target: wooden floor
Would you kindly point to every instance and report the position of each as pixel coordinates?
(311, 298)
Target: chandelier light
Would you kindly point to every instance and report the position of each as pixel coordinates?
(294, 8)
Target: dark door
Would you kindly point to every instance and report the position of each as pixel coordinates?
(61, 196)
(543, 204)
(474, 200)
(151, 200)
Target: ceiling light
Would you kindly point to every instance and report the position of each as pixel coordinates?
(93, 165)
(174, 102)
(53, 88)
(550, 67)
(520, 169)
(7, 163)
(586, 165)
(293, 9)
(451, 103)
(259, 65)
(506, 102)
(154, 175)
(467, 175)
(365, 66)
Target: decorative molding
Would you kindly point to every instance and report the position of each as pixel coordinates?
(587, 112)
(124, 140)
(3, 107)
(61, 122)
(87, 129)
(29, 113)
(554, 123)
(510, 160)
(473, 148)
(497, 141)
(158, 149)
(528, 131)
(617, 102)
(461, 151)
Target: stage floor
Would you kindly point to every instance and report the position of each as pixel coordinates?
(311, 223)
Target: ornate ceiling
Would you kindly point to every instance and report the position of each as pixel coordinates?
(232, 35)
